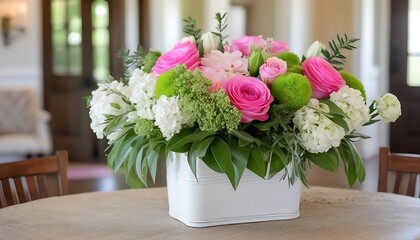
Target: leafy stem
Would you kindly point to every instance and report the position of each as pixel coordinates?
(190, 28)
(335, 57)
(221, 26)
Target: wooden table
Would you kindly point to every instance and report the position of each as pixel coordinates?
(326, 213)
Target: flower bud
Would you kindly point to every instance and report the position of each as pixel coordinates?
(188, 39)
(315, 49)
(255, 61)
(210, 41)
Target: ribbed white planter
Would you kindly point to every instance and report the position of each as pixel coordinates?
(212, 201)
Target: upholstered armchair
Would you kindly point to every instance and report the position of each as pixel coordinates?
(24, 128)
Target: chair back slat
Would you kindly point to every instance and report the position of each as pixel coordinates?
(20, 192)
(401, 164)
(32, 188)
(26, 180)
(42, 186)
(7, 191)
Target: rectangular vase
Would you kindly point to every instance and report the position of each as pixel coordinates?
(212, 201)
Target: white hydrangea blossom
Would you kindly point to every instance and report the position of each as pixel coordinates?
(317, 133)
(101, 101)
(353, 105)
(142, 87)
(168, 116)
(389, 107)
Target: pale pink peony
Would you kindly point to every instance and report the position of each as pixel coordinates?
(250, 96)
(244, 44)
(219, 67)
(183, 53)
(323, 77)
(271, 69)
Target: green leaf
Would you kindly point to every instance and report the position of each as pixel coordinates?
(242, 135)
(328, 160)
(198, 150)
(256, 162)
(182, 141)
(240, 157)
(152, 160)
(178, 142)
(210, 161)
(334, 109)
(222, 154)
(349, 166)
(358, 162)
(278, 158)
(141, 167)
(124, 151)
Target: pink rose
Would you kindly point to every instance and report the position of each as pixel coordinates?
(323, 77)
(244, 44)
(183, 53)
(271, 69)
(250, 96)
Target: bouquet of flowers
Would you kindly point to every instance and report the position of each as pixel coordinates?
(251, 103)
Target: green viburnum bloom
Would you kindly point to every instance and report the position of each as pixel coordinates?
(353, 82)
(150, 60)
(293, 90)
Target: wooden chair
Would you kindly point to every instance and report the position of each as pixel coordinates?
(399, 163)
(26, 180)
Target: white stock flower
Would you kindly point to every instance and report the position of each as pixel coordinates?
(210, 41)
(315, 49)
(353, 105)
(142, 87)
(389, 107)
(168, 116)
(317, 133)
(101, 105)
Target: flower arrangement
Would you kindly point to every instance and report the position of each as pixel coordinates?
(251, 103)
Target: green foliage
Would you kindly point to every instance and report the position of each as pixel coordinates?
(138, 59)
(190, 28)
(221, 27)
(335, 57)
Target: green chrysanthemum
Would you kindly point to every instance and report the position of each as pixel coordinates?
(292, 60)
(165, 82)
(293, 90)
(353, 82)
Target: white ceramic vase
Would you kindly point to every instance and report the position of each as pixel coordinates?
(212, 201)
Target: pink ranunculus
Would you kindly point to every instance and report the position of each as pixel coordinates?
(272, 68)
(244, 44)
(277, 47)
(183, 53)
(323, 77)
(250, 96)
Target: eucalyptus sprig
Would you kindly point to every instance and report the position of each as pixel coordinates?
(190, 28)
(221, 26)
(335, 57)
(140, 58)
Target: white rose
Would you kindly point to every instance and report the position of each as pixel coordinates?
(315, 49)
(210, 41)
(389, 108)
